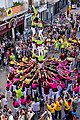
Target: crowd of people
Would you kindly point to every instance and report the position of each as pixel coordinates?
(41, 86)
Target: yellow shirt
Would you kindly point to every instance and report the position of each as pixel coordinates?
(24, 59)
(61, 40)
(58, 106)
(50, 108)
(69, 58)
(52, 58)
(53, 40)
(28, 81)
(70, 38)
(66, 105)
(78, 41)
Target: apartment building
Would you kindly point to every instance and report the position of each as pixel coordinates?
(48, 8)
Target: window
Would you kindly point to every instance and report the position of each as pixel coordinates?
(28, 22)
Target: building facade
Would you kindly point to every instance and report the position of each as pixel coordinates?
(49, 8)
(6, 4)
(14, 18)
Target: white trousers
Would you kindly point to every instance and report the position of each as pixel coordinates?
(33, 47)
(6, 93)
(40, 51)
(55, 95)
(33, 92)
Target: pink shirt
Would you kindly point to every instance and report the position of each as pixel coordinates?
(34, 85)
(53, 85)
(65, 63)
(8, 54)
(51, 79)
(16, 79)
(57, 78)
(62, 85)
(23, 101)
(78, 76)
(8, 85)
(76, 89)
(67, 71)
(68, 78)
(16, 104)
(28, 101)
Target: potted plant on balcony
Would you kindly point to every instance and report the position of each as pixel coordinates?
(17, 7)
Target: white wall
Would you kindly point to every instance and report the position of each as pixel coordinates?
(10, 3)
(6, 3)
(17, 0)
(2, 4)
(36, 2)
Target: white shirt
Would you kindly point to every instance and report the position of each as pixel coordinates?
(4, 100)
(35, 106)
(14, 87)
(11, 117)
(30, 115)
(33, 30)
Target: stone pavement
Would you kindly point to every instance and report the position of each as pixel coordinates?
(3, 79)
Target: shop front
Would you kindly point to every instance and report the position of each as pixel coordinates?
(10, 27)
(5, 30)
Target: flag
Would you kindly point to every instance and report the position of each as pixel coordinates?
(9, 11)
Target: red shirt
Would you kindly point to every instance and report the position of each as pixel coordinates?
(46, 89)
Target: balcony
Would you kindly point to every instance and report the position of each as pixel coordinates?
(16, 10)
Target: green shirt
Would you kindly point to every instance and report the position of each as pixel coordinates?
(63, 45)
(40, 25)
(57, 45)
(19, 93)
(40, 58)
(12, 57)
